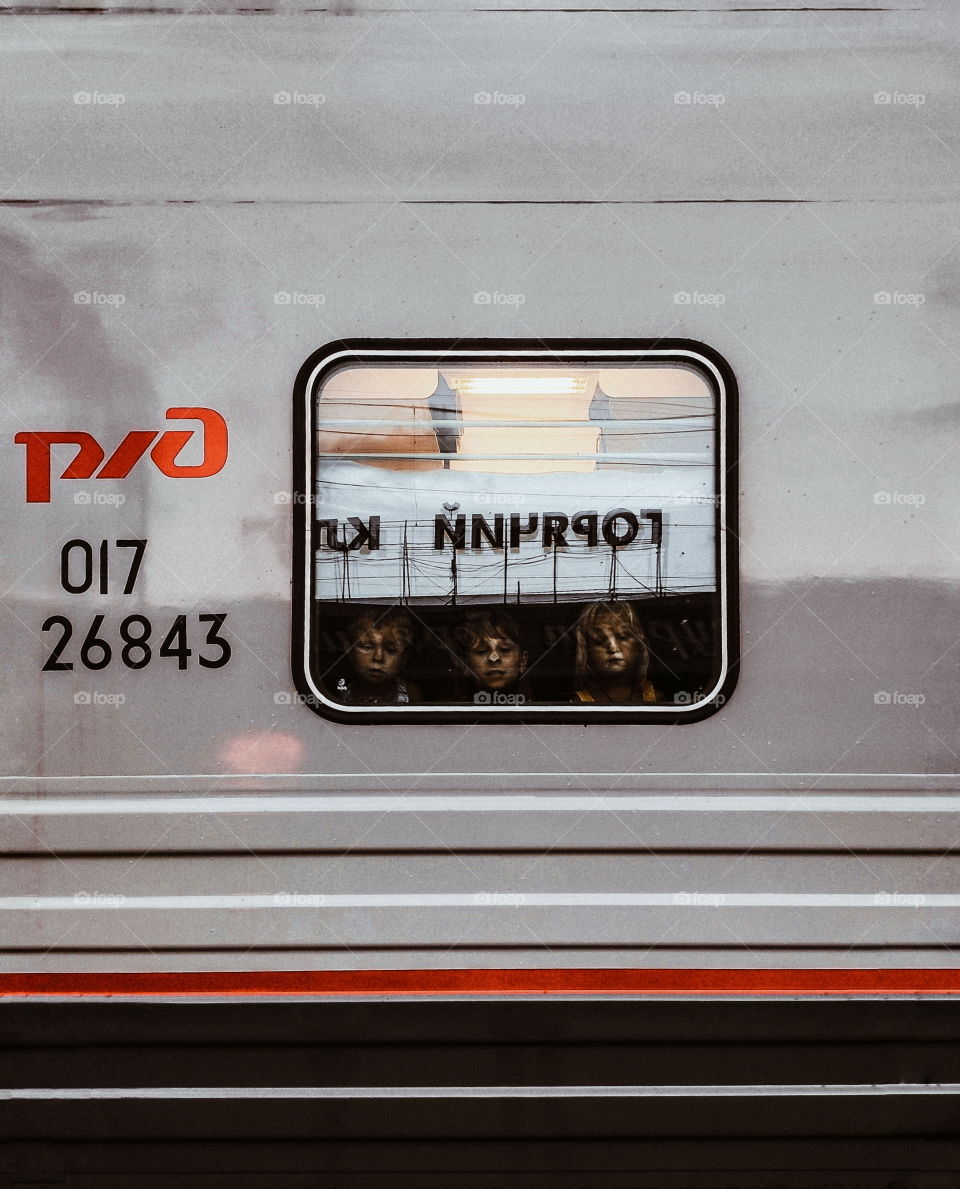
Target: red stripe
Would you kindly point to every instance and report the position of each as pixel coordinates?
(488, 982)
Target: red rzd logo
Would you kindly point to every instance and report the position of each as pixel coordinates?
(90, 454)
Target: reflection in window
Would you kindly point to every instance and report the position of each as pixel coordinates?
(516, 534)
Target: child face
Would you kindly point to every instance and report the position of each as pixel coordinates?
(612, 649)
(377, 656)
(496, 662)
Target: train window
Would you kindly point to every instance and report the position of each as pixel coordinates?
(518, 531)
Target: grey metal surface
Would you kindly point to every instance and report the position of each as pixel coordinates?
(797, 199)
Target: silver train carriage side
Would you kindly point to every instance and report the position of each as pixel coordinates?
(481, 495)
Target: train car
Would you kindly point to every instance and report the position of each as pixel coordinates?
(480, 601)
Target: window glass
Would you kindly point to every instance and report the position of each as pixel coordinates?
(516, 535)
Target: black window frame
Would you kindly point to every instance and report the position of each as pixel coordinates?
(333, 356)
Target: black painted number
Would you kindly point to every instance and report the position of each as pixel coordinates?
(94, 652)
(214, 637)
(78, 567)
(175, 642)
(136, 652)
(53, 663)
(135, 643)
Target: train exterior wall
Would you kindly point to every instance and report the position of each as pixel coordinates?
(195, 200)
